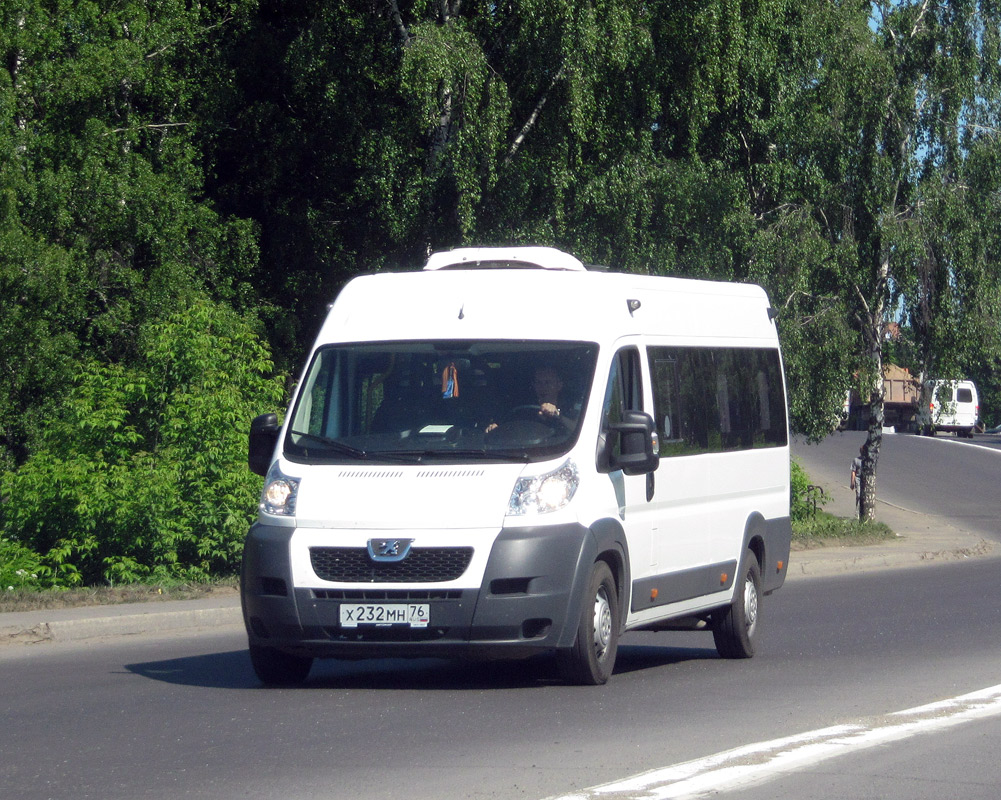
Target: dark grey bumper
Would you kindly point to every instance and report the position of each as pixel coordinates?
(528, 601)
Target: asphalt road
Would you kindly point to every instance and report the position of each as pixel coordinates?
(183, 716)
(167, 717)
(956, 480)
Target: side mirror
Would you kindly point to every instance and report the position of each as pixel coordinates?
(263, 438)
(639, 444)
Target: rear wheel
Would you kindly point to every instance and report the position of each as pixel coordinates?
(591, 659)
(735, 630)
(276, 668)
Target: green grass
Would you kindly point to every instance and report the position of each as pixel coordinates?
(827, 530)
(26, 600)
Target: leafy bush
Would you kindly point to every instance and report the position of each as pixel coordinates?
(143, 475)
(20, 568)
(801, 500)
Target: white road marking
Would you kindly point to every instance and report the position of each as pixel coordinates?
(757, 763)
(995, 450)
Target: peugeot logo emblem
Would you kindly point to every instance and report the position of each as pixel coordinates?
(388, 550)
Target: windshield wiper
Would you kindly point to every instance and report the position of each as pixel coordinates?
(482, 455)
(334, 445)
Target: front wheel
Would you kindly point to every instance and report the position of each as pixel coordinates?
(591, 659)
(735, 630)
(276, 668)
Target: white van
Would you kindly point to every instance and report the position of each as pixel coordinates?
(508, 454)
(949, 406)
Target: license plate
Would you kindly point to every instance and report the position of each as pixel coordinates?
(411, 615)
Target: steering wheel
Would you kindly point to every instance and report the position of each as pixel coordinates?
(532, 412)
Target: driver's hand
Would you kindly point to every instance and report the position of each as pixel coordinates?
(548, 410)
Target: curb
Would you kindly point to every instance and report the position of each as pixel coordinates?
(830, 561)
(78, 624)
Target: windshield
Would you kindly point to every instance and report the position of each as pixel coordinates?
(433, 401)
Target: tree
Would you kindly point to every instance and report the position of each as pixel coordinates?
(913, 88)
(106, 234)
(143, 474)
(103, 222)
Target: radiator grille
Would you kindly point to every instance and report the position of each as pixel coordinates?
(422, 565)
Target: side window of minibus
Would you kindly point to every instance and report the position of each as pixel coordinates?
(666, 396)
(624, 390)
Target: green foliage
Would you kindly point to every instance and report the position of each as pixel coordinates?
(793, 259)
(803, 502)
(20, 568)
(143, 475)
(102, 218)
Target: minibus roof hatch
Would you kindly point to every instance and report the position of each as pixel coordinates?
(504, 258)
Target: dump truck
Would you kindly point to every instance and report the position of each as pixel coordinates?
(901, 396)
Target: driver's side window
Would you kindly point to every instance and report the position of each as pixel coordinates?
(624, 390)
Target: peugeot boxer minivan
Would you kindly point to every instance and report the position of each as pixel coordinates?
(506, 454)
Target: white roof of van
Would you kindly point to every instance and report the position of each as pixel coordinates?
(569, 305)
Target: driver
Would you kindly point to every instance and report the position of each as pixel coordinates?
(547, 385)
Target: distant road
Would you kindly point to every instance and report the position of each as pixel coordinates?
(955, 479)
(992, 440)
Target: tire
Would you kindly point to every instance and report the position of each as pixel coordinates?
(735, 630)
(275, 668)
(592, 658)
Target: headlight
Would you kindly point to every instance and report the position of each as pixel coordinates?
(542, 494)
(279, 493)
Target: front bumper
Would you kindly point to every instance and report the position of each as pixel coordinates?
(527, 601)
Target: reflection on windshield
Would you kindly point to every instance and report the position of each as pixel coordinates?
(460, 401)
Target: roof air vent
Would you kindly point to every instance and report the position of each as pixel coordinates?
(504, 258)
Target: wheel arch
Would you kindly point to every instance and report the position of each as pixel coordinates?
(770, 541)
(612, 548)
(755, 533)
(605, 541)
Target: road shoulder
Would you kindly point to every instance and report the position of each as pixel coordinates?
(921, 539)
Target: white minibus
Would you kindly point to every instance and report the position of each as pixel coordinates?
(507, 454)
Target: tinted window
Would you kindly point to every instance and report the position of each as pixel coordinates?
(717, 399)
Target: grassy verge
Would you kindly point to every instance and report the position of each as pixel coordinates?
(827, 530)
(25, 600)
